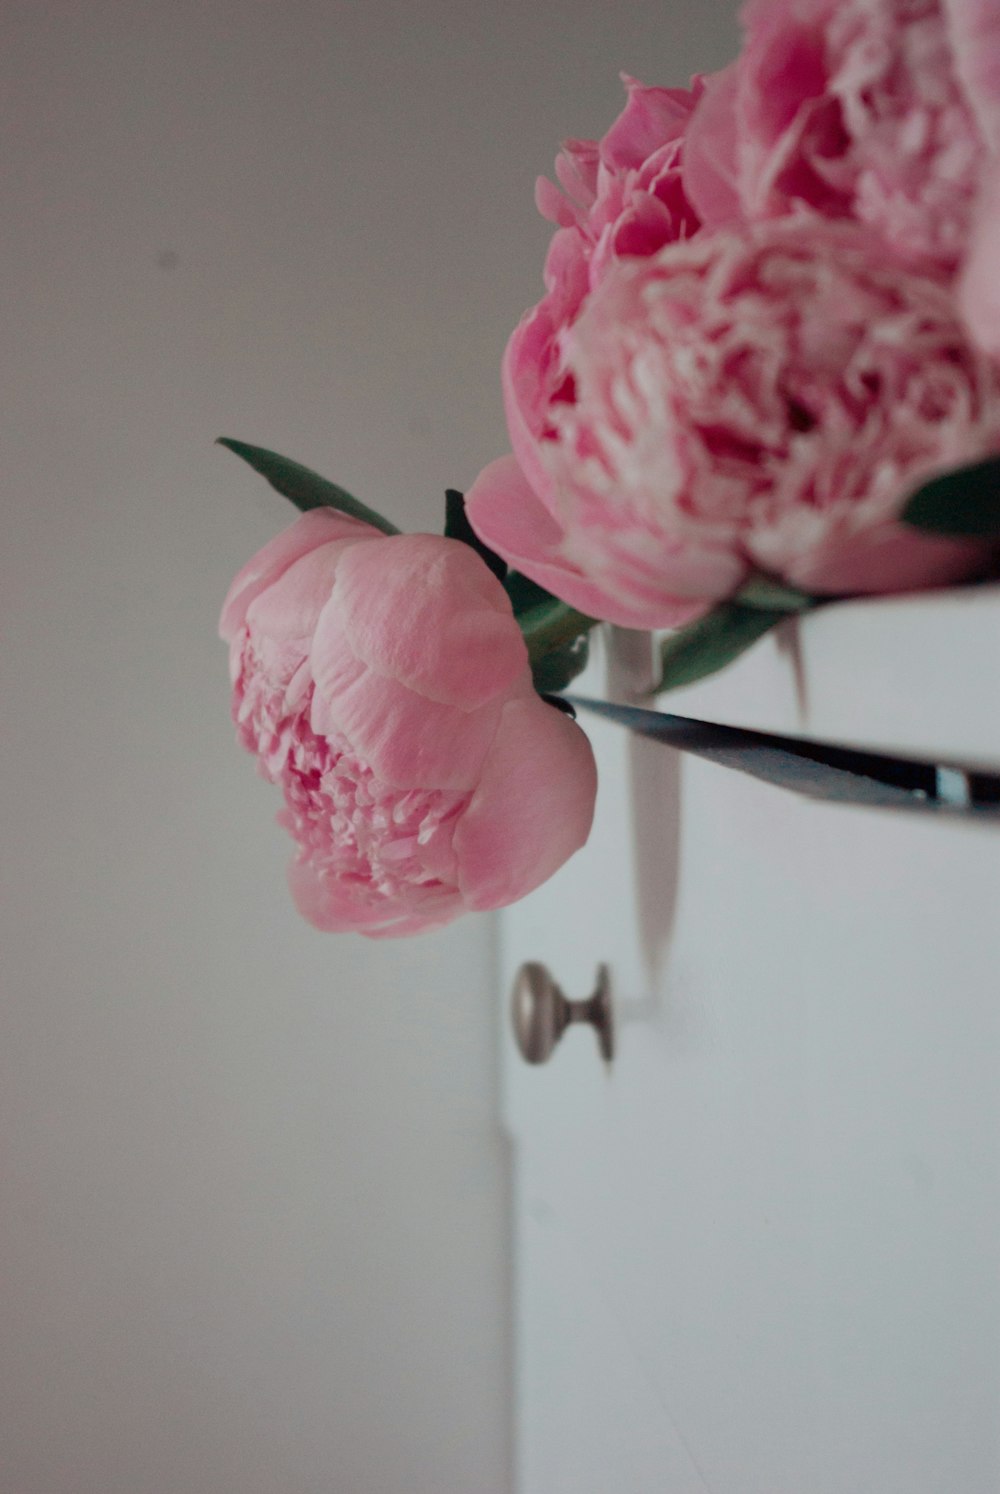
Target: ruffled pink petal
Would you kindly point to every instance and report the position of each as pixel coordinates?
(645, 226)
(974, 27)
(525, 376)
(317, 527)
(576, 170)
(429, 613)
(339, 905)
(888, 559)
(565, 274)
(533, 807)
(553, 204)
(650, 117)
(289, 608)
(979, 285)
(668, 580)
(508, 516)
(710, 162)
(268, 656)
(407, 740)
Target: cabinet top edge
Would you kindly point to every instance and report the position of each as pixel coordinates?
(914, 675)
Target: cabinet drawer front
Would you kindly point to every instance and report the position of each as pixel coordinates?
(785, 1189)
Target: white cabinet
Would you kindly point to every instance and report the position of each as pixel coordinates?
(760, 1252)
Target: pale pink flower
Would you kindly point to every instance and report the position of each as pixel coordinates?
(862, 109)
(383, 683)
(757, 398)
(622, 198)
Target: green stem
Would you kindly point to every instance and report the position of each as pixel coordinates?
(772, 596)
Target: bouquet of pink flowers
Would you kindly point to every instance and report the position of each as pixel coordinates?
(765, 373)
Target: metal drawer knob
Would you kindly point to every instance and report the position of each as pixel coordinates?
(541, 1013)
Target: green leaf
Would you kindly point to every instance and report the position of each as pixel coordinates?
(705, 646)
(457, 527)
(964, 503)
(550, 625)
(558, 668)
(556, 635)
(305, 488)
(525, 594)
(773, 596)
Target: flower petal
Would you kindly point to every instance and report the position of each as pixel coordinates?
(975, 39)
(651, 116)
(525, 375)
(339, 905)
(290, 606)
(888, 559)
(407, 740)
(507, 516)
(533, 807)
(979, 285)
(710, 162)
(317, 527)
(429, 613)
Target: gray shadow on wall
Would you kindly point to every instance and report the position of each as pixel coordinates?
(655, 799)
(654, 773)
(789, 639)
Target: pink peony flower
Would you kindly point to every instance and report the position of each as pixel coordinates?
(384, 684)
(865, 109)
(623, 199)
(755, 398)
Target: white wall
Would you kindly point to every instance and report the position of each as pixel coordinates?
(253, 1232)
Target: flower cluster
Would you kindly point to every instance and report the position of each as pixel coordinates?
(770, 335)
(771, 312)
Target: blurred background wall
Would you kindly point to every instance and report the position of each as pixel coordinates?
(253, 1236)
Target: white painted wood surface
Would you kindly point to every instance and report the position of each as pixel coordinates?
(758, 1255)
(909, 675)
